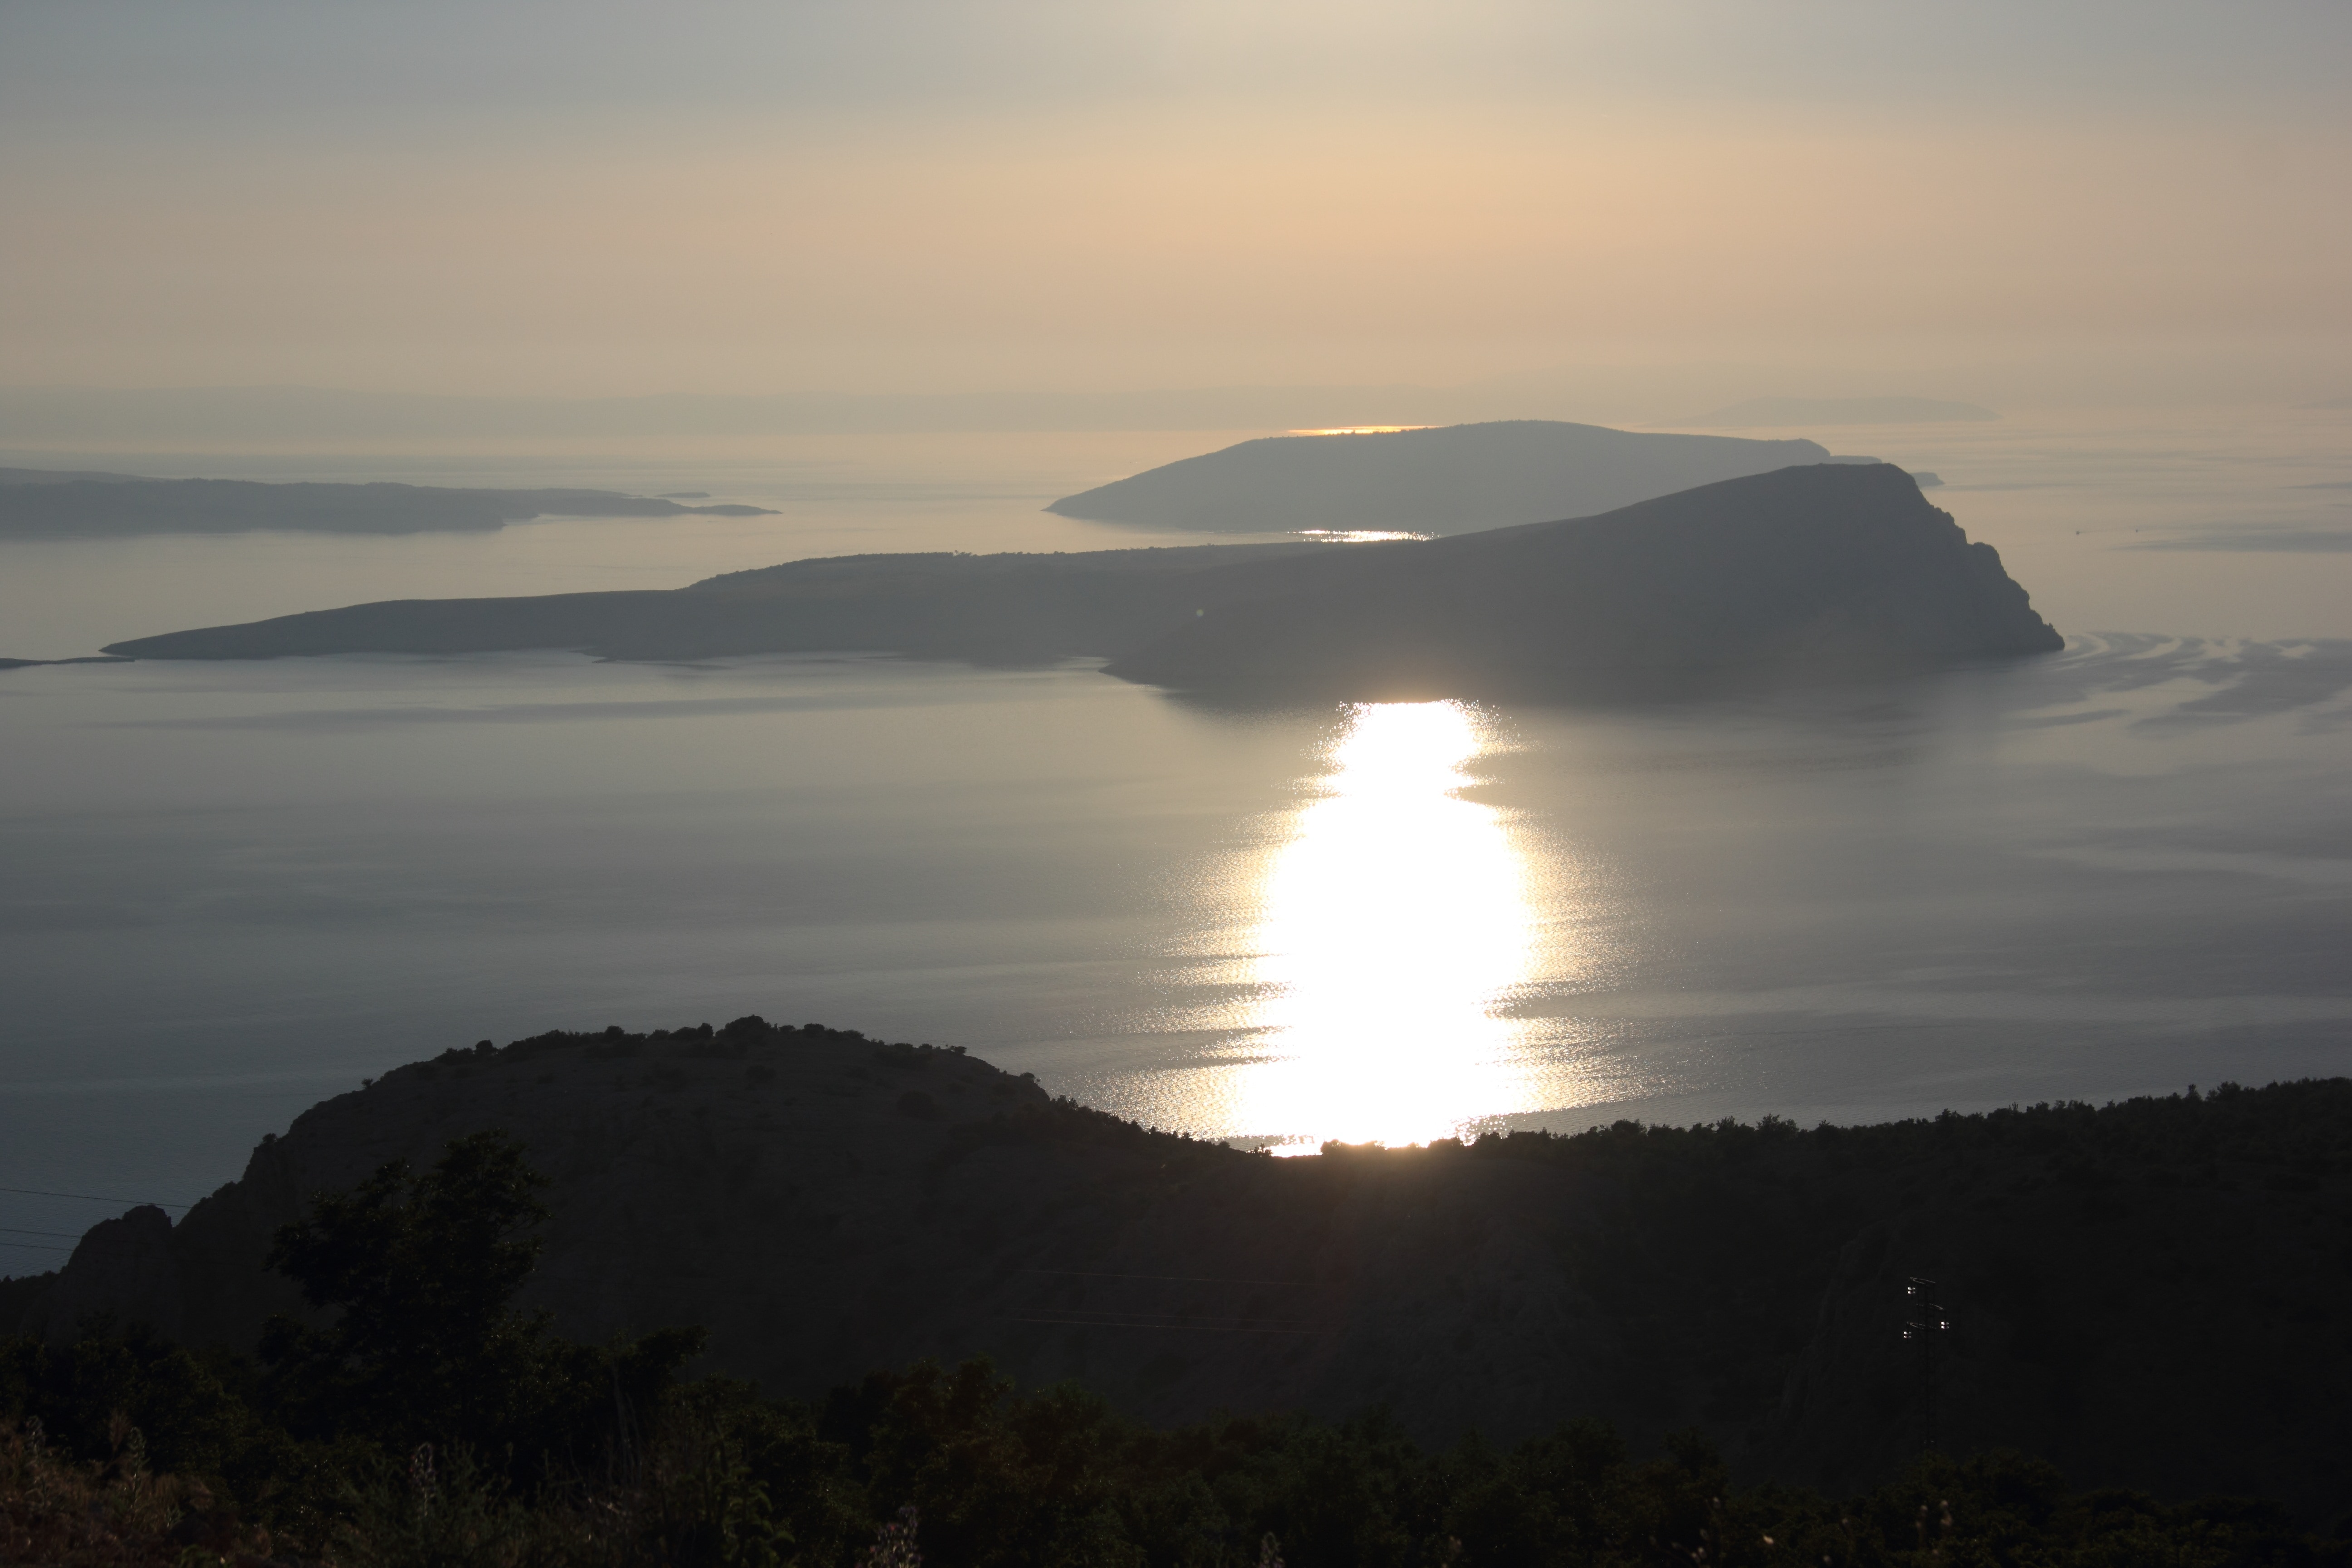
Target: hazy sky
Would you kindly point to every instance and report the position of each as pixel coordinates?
(579, 197)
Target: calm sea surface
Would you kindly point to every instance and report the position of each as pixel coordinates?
(230, 891)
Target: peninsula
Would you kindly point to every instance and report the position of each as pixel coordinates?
(37, 503)
(1442, 480)
(1827, 570)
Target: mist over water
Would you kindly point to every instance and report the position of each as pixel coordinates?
(233, 890)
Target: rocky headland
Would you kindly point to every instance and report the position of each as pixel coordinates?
(1828, 572)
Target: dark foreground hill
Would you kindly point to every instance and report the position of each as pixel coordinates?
(1452, 479)
(37, 504)
(1825, 570)
(2147, 1294)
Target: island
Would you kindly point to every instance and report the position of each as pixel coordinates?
(1441, 479)
(37, 503)
(1826, 571)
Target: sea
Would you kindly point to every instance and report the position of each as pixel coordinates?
(230, 891)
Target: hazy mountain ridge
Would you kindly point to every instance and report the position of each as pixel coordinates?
(275, 414)
(1787, 411)
(1827, 569)
(1445, 479)
(63, 475)
(35, 504)
(266, 417)
(827, 1203)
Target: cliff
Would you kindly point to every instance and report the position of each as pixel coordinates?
(2144, 1294)
(35, 504)
(1449, 479)
(1821, 571)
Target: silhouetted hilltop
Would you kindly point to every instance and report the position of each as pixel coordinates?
(1787, 411)
(37, 504)
(2145, 1294)
(1447, 479)
(1828, 569)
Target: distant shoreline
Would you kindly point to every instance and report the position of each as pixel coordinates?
(38, 503)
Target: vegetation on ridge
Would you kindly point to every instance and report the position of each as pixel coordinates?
(431, 1422)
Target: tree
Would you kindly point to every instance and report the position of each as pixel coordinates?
(427, 1345)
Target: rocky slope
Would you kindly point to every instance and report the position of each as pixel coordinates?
(2145, 1295)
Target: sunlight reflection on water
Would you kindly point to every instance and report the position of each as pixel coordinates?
(1395, 922)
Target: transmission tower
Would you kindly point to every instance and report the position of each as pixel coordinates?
(1924, 1330)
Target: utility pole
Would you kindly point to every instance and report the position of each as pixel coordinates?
(1924, 1330)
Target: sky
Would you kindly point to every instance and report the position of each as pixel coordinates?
(922, 195)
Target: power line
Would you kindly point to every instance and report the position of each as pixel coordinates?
(1072, 1319)
(1190, 1328)
(1113, 1315)
(1927, 1332)
(1183, 1278)
(93, 1197)
(60, 1234)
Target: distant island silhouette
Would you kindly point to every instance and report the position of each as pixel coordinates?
(1786, 410)
(825, 1203)
(1816, 573)
(1442, 480)
(38, 503)
(1824, 570)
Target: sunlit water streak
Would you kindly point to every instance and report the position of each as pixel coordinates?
(229, 890)
(1396, 920)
